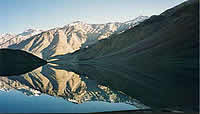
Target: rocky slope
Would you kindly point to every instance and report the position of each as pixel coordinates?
(156, 61)
(72, 37)
(10, 39)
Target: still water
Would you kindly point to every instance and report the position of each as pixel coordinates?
(47, 89)
(15, 101)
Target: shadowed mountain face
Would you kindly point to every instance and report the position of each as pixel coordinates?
(156, 61)
(15, 62)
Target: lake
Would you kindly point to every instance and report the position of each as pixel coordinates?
(47, 89)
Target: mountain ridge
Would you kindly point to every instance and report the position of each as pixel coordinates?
(71, 37)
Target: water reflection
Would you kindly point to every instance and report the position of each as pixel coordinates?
(67, 85)
(16, 102)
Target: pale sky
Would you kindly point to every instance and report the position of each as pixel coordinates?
(18, 15)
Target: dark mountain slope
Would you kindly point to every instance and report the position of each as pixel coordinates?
(14, 62)
(155, 62)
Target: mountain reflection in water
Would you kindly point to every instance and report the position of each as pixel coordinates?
(70, 86)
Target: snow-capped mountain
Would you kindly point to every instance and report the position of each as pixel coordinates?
(5, 37)
(30, 32)
(72, 37)
(8, 39)
(134, 22)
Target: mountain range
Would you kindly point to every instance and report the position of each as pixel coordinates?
(67, 39)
